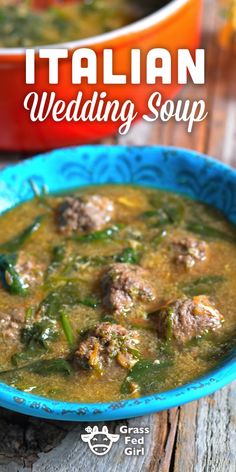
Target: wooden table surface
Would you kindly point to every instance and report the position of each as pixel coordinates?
(197, 437)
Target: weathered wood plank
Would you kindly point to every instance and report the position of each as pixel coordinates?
(176, 134)
(206, 434)
(198, 437)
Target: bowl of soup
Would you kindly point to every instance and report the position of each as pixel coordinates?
(117, 295)
(98, 24)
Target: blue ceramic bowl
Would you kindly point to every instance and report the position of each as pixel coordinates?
(168, 168)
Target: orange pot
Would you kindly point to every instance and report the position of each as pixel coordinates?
(175, 26)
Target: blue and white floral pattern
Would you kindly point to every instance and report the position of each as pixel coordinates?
(169, 168)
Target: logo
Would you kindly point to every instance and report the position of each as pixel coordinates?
(99, 442)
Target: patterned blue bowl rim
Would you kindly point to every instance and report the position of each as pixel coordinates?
(169, 168)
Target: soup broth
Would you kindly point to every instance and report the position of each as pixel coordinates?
(25, 24)
(114, 292)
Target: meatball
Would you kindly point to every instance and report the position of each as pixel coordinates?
(122, 285)
(86, 213)
(107, 342)
(189, 251)
(187, 318)
(11, 323)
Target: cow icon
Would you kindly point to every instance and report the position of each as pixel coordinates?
(99, 441)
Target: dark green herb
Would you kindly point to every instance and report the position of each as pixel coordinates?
(67, 328)
(9, 275)
(93, 260)
(206, 285)
(51, 366)
(101, 235)
(75, 262)
(135, 352)
(129, 255)
(147, 375)
(108, 318)
(166, 212)
(166, 349)
(168, 215)
(168, 313)
(209, 232)
(29, 313)
(69, 295)
(51, 305)
(13, 245)
(169, 324)
(20, 359)
(43, 367)
(36, 339)
(58, 254)
(66, 296)
(160, 217)
(39, 334)
(159, 237)
(91, 302)
(40, 195)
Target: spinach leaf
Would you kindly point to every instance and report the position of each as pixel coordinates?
(66, 296)
(91, 302)
(160, 215)
(159, 237)
(147, 375)
(50, 366)
(69, 295)
(17, 242)
(39, 334)
(58, 254)
(67, 328)
(50, 305)
(129, 255)
(42, 367)
(29, 313)
(95, 261)
(205, 285)
(101, 235)
(40, 195)
(22, 358)
(209, 231)
(9, 275)
(73, 263)
(36, 338)
(166, 212)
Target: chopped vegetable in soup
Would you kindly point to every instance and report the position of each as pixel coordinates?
(40, 22)
(114, 292)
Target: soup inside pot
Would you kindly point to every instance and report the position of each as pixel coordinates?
(29, 23)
